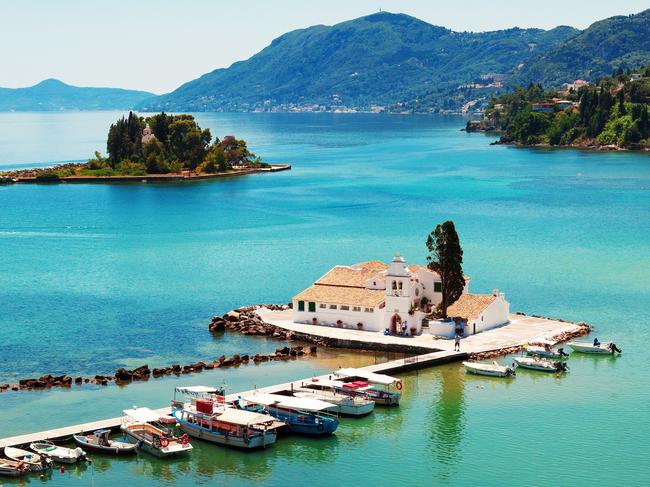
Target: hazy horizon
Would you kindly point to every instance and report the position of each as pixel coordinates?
(157, 46)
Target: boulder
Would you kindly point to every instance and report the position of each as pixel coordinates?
(313, 349)
(282, 351)
(141, 372)
(121, 375)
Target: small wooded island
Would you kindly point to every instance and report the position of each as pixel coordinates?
(160, 147)
(610, 114)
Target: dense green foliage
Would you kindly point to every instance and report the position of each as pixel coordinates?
(165, 143)
(622, 41)
(615, 112)
(53, 95)
(382, 58)
(446, 258)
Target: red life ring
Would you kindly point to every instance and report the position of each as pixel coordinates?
(398, 386)
(164, 442)
(185, 439)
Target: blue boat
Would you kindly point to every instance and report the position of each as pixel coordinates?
(306, 416)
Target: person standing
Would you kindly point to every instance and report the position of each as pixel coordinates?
(457, 343)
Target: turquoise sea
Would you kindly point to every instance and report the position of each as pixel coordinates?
(94, 277)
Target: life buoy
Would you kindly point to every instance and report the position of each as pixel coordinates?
(320, 427)
(398, 386)
(164, 442)
(185, 439)
(20, 465)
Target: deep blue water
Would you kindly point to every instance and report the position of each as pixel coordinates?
(93, 277)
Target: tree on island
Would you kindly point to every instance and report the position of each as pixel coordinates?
(165, 143)
(446, 258)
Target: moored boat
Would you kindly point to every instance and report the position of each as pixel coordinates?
(540, 364)
(99, 441)
(373, 386)
(12, 468)
(58, 453)
(34, 461)
(608, 348)
(140, 426)
(329, 391)
(303, 415)
(545, 351)
(491, 370)
(206, 417)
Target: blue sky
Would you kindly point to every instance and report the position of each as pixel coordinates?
(158, 45)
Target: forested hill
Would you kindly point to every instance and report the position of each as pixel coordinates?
(379, 59)
(54, 95)
(612, 113)
(622, 41)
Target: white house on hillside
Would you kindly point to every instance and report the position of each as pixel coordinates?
(377, 297)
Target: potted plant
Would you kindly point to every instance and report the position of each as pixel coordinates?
(359, 326)
(339, 323)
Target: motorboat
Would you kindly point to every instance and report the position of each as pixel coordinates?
(491, 370)
(545, 351)
(99, 441)
(330, 391)
(360, 382)
(541, 364)
(59, 454)
(304, 415)
(608, 348)
(34, 461)
(141, 427)
(207, 417)
(12, 468)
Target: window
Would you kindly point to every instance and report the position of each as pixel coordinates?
(332, 306)
(312, 307)
(301, 306)
(369, 310)
(345, 308)
(322, 305)
(437, 287)
(356, 308)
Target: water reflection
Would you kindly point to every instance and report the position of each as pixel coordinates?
(448, 416)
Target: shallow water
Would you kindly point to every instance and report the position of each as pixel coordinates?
(94, 277)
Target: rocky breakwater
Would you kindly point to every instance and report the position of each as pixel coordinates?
(246, 321)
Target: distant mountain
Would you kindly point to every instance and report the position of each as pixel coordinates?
(54, 95)
(622, 41)
(382, 59)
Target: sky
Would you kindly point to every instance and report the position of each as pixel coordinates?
(157, 45)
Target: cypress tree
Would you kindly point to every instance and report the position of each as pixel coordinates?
(446, 258)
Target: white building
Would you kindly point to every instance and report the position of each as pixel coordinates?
(479, 312)
(396, 297)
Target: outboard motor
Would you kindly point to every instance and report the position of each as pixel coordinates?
(561, 366)
(614, 348)
(562, 352)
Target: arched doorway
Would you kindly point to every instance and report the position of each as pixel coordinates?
(395, 323)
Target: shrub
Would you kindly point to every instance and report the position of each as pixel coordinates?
(48, 177)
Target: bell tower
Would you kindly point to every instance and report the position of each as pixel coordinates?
(398, 296)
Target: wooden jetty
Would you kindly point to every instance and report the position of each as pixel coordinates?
(392, 367)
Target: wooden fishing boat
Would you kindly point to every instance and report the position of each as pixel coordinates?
(303, 415)
(141, 427)
(360, 382)
(57, 453)
(491, 370)
(329, 391)
(540, 364)
(608, 348)
(206, 417)
(99, 442)
(12, 468)
(34, 461)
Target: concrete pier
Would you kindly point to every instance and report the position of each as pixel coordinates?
(392, 367)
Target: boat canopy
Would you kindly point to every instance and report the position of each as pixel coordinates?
(289, 402)
(195, 390)
(243, 418)
(335, 384)
(370, 376)
(142, 415)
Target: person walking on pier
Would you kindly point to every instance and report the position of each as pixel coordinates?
(457, 343)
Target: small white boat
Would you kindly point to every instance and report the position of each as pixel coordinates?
(12, 468)
(545, 352)
(608, 348)
(140, 426)
(541, 364)
(492, 370)
(360, 382)
(57, 453)
(99, 441)
(35, 461)
(330, 391)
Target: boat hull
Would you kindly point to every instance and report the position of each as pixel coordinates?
(487, 370)
(105, 449)
(152, 449)
(538, 366)
(603, 349)
(257, 441)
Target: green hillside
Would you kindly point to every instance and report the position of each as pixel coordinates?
(379, 59)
